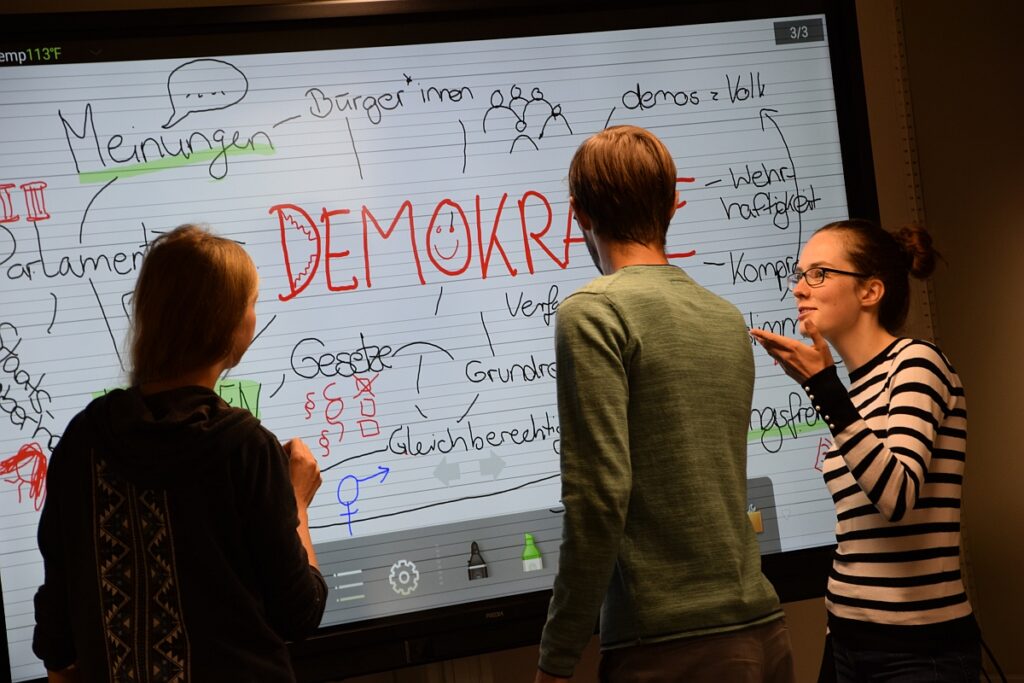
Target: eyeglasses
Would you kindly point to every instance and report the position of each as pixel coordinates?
(815, 277)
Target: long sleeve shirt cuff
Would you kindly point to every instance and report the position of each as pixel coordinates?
(830, 400)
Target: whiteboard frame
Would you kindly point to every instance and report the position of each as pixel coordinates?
(475, 628)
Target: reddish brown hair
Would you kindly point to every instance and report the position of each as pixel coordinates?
(624, 180)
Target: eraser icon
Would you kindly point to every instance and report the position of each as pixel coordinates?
(532, 561)
(755, 518)
(477, 566)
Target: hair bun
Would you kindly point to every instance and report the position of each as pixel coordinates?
(916, 244)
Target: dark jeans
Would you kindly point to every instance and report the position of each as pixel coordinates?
(961, 664)
(759, 654)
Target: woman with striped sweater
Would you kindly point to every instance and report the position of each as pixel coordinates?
(897, 609)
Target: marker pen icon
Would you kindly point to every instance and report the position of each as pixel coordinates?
(755, 518)
(532, 561)
(477, 566)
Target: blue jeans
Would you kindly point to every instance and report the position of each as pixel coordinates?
(953, 665)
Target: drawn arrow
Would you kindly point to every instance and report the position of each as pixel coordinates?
(447, 473)
(766, 113)
(492, 466)
(382, 472)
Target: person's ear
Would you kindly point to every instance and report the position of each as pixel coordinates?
(871, 292)
(581, 217)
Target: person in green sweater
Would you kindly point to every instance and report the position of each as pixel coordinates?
(655, 381)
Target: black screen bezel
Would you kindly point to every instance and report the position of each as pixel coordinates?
(485, 626)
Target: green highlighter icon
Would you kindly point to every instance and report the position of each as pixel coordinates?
(532, 561)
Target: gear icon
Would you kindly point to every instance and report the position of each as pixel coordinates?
(404, 577)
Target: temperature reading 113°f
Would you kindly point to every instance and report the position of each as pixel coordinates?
(44, 54)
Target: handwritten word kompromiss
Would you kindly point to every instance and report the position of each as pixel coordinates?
(451, 242)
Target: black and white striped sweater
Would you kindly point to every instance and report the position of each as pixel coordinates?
(895, 473)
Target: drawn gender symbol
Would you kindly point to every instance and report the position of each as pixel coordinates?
(348, 492)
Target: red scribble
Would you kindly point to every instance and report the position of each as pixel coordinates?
(336, 404)
(314, 240)
(325, 443)
(683, 180)
(332, 413)
(325, 218)
(365, 385)
(824, 446)
(536, 236)
(31, 457)
(368, 427)
(432, 248)
(34, 200)
(312, 235)
(569, 239)
(405, 208)
(679, 205)
(368, 407)
(485, 259)
(7, 214)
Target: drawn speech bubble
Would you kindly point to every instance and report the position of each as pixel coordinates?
(204, 85)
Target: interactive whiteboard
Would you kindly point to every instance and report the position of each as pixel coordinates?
(408, 210)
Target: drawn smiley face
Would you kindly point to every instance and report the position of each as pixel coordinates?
(449, 240)
(444, 235)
